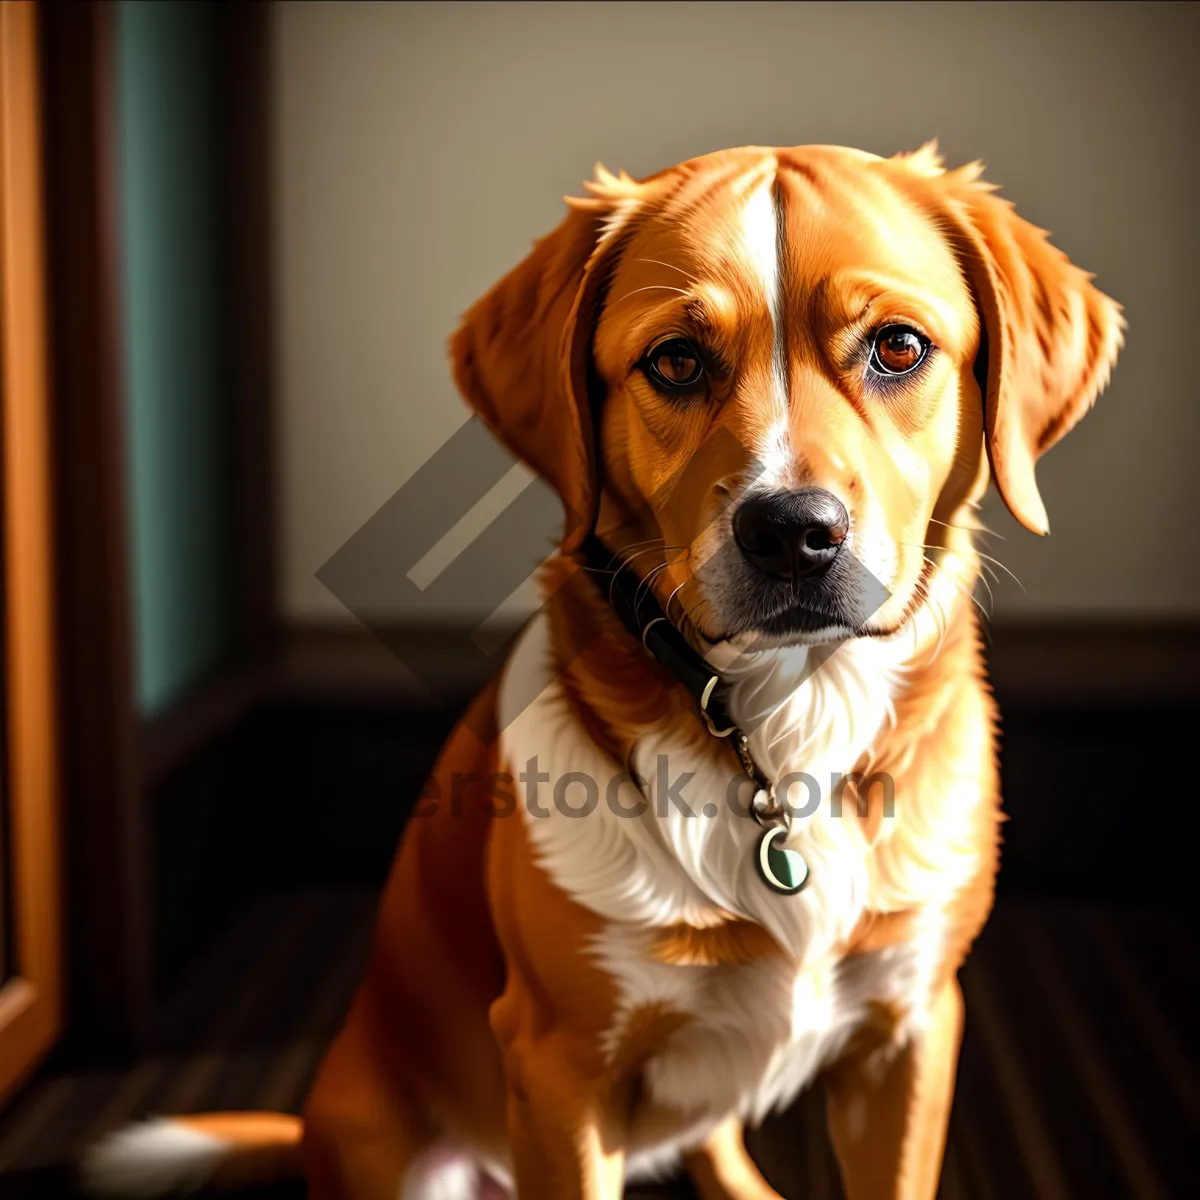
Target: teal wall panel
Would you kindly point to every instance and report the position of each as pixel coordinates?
(175, 352)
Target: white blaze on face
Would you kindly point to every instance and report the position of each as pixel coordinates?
(760, 224)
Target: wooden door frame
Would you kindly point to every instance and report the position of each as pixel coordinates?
(114, 758)
(31, 998)
(107, 917)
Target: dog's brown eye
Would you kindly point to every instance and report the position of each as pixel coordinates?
(675, 364)
(897, 349)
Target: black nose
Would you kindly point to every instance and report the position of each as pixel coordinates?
(787, 535)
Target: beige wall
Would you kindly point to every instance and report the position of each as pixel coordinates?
(420, 149)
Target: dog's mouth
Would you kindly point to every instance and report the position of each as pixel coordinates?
(798, 623)
(758, 611)
(805, 621)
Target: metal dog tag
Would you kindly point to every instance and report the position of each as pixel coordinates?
(782, 870)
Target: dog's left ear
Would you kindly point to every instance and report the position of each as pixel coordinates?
(521, 354)
(1051, 336)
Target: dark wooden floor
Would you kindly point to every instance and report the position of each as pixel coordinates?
(1078, 1075)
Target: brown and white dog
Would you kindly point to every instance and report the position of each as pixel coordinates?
(559, 1002)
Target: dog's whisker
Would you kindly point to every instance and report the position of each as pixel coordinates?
(618, 557)
(612, 570)
(651, 287)
(667, 606)
(991, 559)
(973, 599)
(692, 614)
(944, 550)
(941, 623)
(990, 573)
(644, 586)
(650, 550)
(978, 528)
(940, 618)
(958, 587)
(988, 586)
(984, 558)
(631, 558)
(658, 262)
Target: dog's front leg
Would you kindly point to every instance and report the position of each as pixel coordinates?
(888, 1114)
(562, 1142)
(722, 1169)
(556, 1130)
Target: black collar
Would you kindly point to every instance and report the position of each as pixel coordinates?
(644, 619)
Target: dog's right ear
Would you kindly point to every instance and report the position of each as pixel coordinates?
(521, 354)
(1051, 335)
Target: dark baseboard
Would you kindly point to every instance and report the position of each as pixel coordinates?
(1095, 664)
(1040, 663)
(205, 714)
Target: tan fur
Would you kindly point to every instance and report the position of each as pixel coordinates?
(735, 941)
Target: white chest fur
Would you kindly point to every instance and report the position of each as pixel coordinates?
(754, 1034)
(757, 1034)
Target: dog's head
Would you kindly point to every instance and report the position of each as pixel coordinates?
(776, 373)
